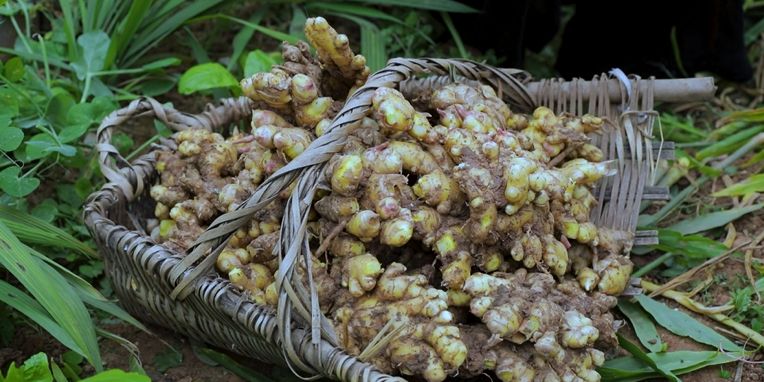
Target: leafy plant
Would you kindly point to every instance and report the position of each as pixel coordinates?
(38, 369)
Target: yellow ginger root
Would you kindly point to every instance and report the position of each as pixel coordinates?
(365, 225)
(270, 87)
(229, 259)
(337, 208)
(609, 275)
(360, 274)
(406, 300)
(345, 70)
(508, 308)
(345, 174)
(252, 278)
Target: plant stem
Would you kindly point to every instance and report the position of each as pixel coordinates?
(653, 264)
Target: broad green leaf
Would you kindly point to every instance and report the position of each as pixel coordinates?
(45, 211)
(116, 375)
(752, 184)
(10, 104)
(631, 369)
(682, 324)
(10, 138)
(205, 77)
(13, 69)
(52, 292)
(36, 369)
(258, 61)
(712, 220)
(90, 113)
(155, 86)
(73, 132)
(94, 46)
(58, 108)
(433, 5)
(39, 146)
(15, 186)
(643, 326)
(27, 306)
(694, 246)
(642, 356)
(167, 359)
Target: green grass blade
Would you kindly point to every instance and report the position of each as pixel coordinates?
(280, 36)
(748, 186)
(242, 38)
(682, 324)
(32, 230)
(454, 35)
(729, 144)
(712, 220)
(117, 375)
(26, 305)
(432, 5)
(69, 29)
(151, 36)
(354, 10)
(126, 30)
(52, 292)
(643, 326)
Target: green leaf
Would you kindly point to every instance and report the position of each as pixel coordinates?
(91, 112)
(432, 5)
(712, 220)
(693, 246)
(53, 293)
(297, 24)
(95, 46)
(116, 375)
(13, 185)
(168, 359)
(162, 63)
(45, 211)
(642, 356)
(210, 356)
(122, 142)
(126, 30)
(729, 144)
(10, 138)
(39, 146)
(204, 77)
(643, 325)
(10, 104)
(258, 61)
(27, 306)
(683, 325)
(752, 184)
(631, 369)
(242, 38)
(13, 69)
(155, 86)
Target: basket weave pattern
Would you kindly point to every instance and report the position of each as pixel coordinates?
(182, 292)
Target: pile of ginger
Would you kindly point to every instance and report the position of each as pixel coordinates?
(462, 223)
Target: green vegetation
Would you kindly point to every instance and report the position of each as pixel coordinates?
(74, 62)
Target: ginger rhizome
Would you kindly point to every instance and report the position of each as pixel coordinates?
(458, 225)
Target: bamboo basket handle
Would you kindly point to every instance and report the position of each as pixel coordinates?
(119, 171)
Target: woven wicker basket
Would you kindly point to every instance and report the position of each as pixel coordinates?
(182, 292)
